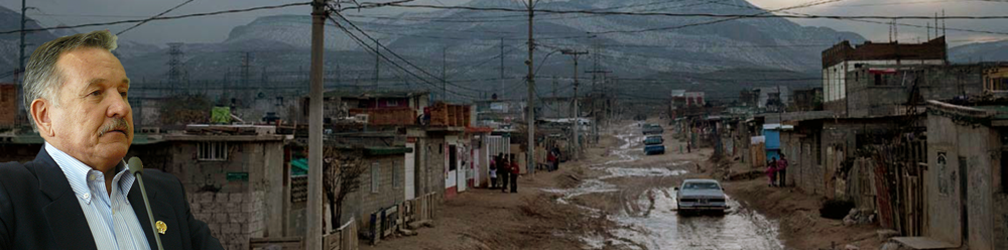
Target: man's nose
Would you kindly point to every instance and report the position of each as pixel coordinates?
(118, 107)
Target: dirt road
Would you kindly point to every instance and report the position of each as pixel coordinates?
(635, 191)
(615, 198)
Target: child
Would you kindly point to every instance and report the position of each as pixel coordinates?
(771, 171)
(493, 173)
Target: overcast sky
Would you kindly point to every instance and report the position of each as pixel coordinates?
(216, 28)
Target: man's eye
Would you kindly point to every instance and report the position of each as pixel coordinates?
(96, 93)
(123, 94)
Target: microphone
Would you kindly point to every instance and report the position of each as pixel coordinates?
(136, 168)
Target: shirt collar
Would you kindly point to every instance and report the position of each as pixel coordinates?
(77, 173)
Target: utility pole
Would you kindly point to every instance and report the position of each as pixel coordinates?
(531, 91)
(21, 57)
(577, 116)
(313, 241)
(444, 62)
(377, 61)
(501, 86)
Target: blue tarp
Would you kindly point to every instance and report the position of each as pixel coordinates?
(772, 139)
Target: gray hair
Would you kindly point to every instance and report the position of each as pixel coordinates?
(43, 79)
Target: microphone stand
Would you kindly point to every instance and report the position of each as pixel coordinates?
(138, 171)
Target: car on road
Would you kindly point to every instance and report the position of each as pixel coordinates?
(653, 140)
(652, 129)
(656, 149)
(701, 195)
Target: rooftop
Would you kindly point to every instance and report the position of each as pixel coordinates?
(364, 94)
(843, 51)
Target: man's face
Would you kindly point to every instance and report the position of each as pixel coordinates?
(93, 121)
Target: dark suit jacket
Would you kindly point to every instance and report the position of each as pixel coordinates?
(38, 210)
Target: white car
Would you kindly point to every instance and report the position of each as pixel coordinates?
(696, 195)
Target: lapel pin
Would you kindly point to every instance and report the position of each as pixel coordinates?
(161, 227)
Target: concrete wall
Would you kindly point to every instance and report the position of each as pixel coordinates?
(866, 97)
(972, 148)
(235, 210)
(802, 148)
(366, 201)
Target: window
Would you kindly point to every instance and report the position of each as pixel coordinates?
(878, 80)
(375, 169)
(392, 103)
(212, 151)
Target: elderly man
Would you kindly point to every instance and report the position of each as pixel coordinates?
(78, 192)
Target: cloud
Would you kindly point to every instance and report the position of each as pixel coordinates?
(880, 32)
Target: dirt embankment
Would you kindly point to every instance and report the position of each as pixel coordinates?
(797, 214)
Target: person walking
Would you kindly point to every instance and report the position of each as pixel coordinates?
(550, 159)
(514, 174)
(493, 173)
(771, 171)
(782, 165)
(503, 172)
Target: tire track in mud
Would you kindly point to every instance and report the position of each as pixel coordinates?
(646, 215)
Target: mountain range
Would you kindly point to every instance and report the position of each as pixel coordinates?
(466, 47)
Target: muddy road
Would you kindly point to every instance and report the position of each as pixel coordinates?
(636, 193)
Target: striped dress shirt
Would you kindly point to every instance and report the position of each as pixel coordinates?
(111, 218)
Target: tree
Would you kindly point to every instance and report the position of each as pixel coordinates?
(341, 176)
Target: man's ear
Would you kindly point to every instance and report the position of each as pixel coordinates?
(40, 111)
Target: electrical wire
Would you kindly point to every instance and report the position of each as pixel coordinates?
(375, 50)
(155, 16)
(214, 13)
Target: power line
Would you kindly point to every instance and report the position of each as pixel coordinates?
(155, 16)
(889, 23)
(400, 67)
(712, 15)
(161, 18)
(400, 57)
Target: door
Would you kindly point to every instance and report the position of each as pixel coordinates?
(462, 169)
(451, 179)
(410, 171)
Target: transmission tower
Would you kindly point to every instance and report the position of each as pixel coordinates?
(175, 70)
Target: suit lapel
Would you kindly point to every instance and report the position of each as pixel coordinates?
(64, 215)
(136, 201)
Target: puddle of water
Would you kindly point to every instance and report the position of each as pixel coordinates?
(641, 172)
(653, 223)
(663, 228)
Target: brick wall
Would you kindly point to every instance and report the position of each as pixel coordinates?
(8, 105)
(235, 209)
(365, 201)
(227, 215)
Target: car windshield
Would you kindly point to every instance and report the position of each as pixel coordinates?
(701, 185)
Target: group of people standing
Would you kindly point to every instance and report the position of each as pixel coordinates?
(507, 168)
(777, 171)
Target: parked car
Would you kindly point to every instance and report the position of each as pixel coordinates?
(699, 195)
(654, 139)
(656, 149)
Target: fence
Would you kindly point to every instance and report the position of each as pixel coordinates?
(286, 243)
(419, 209)
(344, 238)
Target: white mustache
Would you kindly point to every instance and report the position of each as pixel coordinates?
(117, 124)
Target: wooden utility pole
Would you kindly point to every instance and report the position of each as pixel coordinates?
(577, 117)
(313, 241)
(530, 79)
(21, 65)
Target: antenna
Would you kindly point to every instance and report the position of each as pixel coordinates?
(942, 23)
(928, 25)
